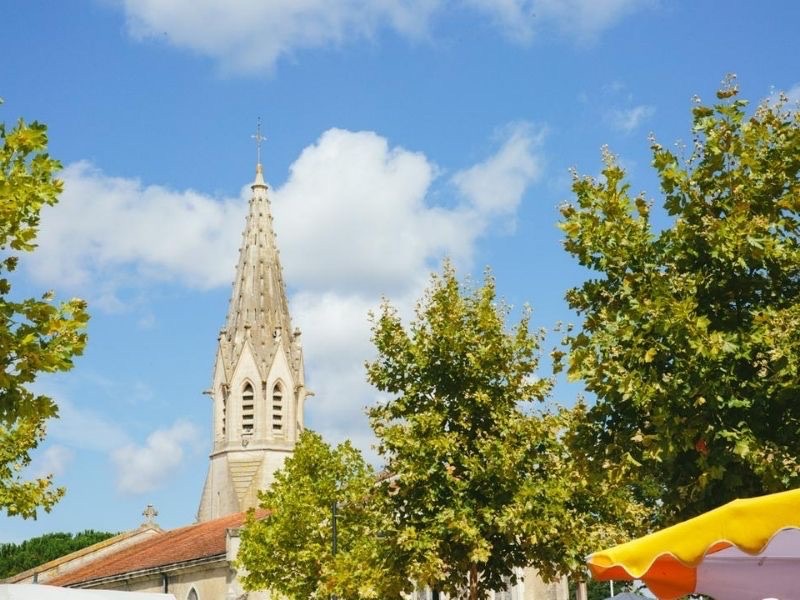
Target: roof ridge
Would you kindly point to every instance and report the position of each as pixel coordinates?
(82, 552)
(175, 546)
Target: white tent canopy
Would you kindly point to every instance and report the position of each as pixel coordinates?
(33, 591)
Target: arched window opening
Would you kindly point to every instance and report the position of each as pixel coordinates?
(192, 595)
(277, 409)
(248, 408)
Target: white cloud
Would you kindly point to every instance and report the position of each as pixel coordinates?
(497, 184)
(355, 219)
(354, 215)
(516, 18)
(53, 461)
(109, 232)
(583, 20)
(142, 469)
(586, 19)
(629, 119)
(138, 468)
(84, 428)
(249, 35)
(337, 344)
(335, 327)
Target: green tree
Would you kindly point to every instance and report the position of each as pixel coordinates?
(480, 485)
(36, 335)
(289, 551)
(691, 333)
(16, 558)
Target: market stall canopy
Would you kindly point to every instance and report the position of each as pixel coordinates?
(745, 550)
(33, 591)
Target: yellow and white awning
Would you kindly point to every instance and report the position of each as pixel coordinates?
(745, 550)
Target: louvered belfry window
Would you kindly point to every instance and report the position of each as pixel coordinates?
(277, 409)
(248, 408)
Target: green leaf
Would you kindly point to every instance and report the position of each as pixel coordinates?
(691, 335)
(35, 336)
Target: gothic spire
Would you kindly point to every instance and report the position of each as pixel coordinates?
(258, 310)
(258, 383)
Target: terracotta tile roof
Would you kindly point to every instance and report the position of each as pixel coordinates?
(202, 540)
(94, 548)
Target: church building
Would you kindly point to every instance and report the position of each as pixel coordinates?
(258, 395)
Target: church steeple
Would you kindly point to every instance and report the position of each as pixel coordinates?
(258, 388)
(258, 310)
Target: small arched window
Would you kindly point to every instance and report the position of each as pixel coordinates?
(192, 595)
(248, 408)
(277, 409)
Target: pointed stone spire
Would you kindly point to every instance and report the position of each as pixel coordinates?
(258, 383)
(258, 311)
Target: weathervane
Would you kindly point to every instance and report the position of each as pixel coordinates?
(258, 138)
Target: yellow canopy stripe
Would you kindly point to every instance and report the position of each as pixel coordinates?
(666, 560)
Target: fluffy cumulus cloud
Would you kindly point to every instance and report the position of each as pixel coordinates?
(497, 184)
(252, 34)
(357, 222)
(139, 467)
(145, 468)
(354, 214)
(336, 337)
(356, 219)
(108, 232)
(249, 35)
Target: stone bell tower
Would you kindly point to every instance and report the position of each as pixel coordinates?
(258, 388)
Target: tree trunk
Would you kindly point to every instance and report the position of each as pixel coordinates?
(473, 581)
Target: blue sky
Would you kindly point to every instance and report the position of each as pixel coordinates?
(398, 132)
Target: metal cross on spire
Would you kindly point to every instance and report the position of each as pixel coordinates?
(258, 138)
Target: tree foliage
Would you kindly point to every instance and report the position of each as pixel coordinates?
(289, 551)
(691, 333)
(36, 335)
(481, 486)
(16, 558)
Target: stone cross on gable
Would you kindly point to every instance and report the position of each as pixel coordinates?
(149, 515)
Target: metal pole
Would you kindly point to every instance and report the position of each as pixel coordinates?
(333, 513)
(333, 540)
